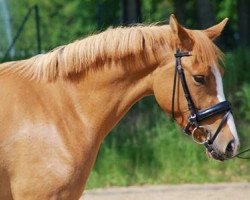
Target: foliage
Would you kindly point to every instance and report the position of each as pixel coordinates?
(244, 100)
(64, 21)
(61, 21)
(227, 8)
(156, 11)
(236, 69)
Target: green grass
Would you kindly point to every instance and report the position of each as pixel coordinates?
(146, 154)
(148, 148)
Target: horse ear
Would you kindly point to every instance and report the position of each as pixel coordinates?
(185, 41)
(215, 31)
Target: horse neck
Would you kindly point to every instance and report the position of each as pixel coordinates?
(104, 95)
(107, 91)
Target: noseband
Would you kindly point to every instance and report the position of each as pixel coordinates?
(197, 116)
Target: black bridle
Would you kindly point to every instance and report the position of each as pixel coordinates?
(197, 116)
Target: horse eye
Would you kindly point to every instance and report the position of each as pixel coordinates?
(199, 79)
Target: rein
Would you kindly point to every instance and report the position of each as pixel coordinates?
(238, 155)
(197, 116)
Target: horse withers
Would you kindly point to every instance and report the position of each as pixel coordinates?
(56, 108)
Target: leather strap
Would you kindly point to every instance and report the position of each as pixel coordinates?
(224, 119)
(217, 109)
(198, 116)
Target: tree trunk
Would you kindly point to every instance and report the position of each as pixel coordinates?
(205, 13)
(131, 10)
(180, 11)
(243, 21)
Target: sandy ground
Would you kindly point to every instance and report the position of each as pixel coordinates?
(224, 191)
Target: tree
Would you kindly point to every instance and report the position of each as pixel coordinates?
(180, 11)
(243, 21)
(205, 13)
(131, 11)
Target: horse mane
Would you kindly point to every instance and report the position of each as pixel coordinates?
(142, 42)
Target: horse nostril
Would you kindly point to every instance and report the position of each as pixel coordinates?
(230, 148)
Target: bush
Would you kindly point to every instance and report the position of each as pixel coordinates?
(244, 101)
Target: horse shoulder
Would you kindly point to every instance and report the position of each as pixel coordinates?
(41, 141)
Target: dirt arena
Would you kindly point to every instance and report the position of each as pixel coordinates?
(222, 191)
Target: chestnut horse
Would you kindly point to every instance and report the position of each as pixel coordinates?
(56, 108)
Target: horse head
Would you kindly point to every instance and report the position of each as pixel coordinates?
(189, 85)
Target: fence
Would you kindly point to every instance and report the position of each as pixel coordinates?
(35, 10)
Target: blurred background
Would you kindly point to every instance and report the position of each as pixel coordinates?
(146, 147)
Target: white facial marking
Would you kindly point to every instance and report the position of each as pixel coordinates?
(221, 97)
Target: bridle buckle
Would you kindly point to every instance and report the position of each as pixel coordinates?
(192, 118)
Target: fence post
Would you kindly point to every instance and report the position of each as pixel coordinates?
(20, 29)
